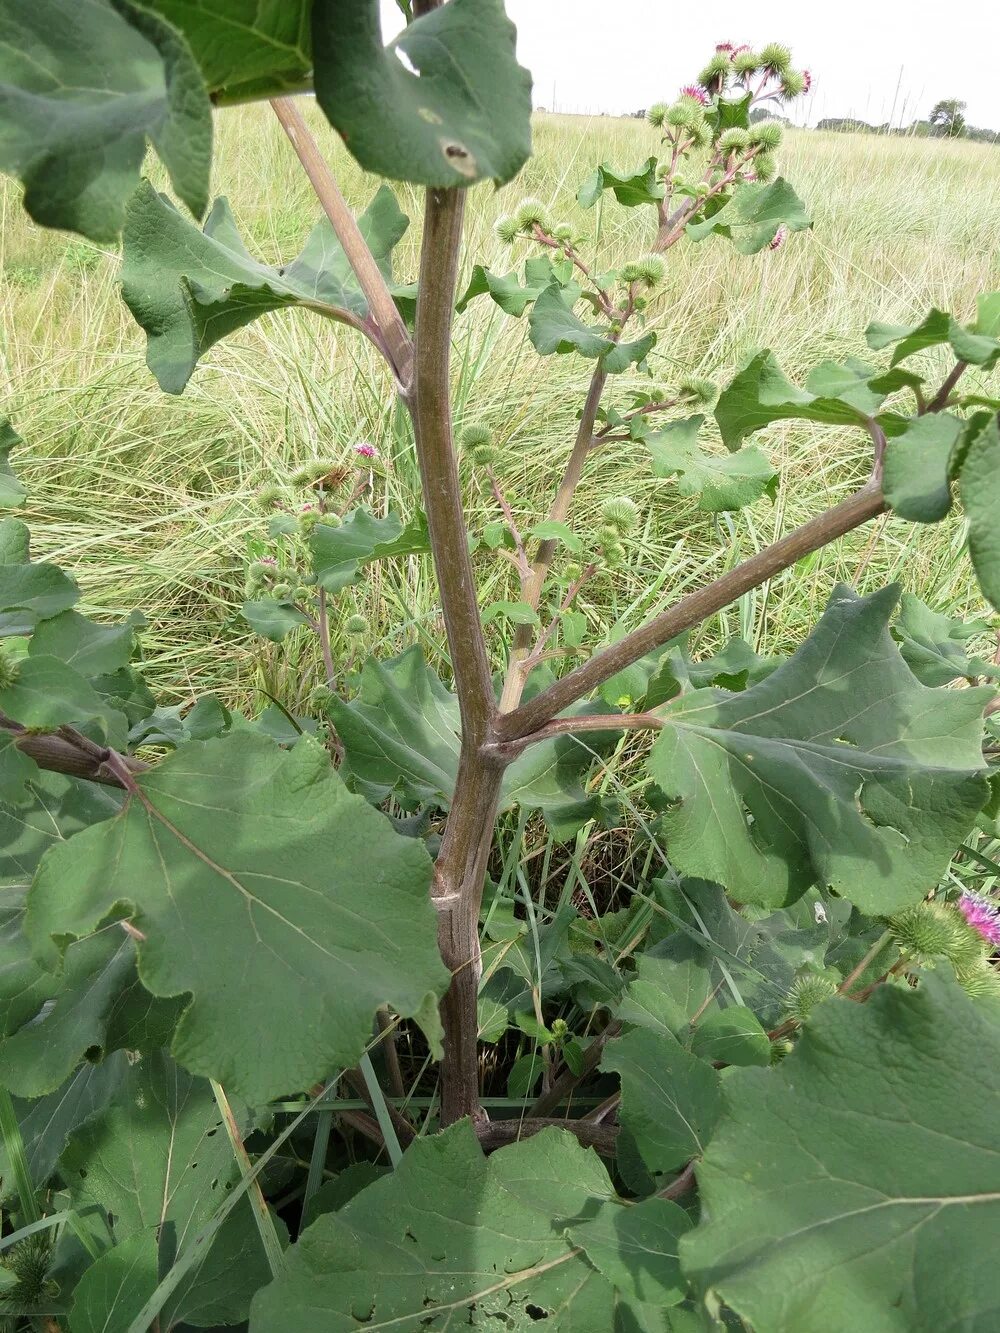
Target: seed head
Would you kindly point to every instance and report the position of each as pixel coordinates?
(767, 135)
(656, 114)
(648, 270)
(702, 390)
(356, 625)
(775, 58)
(268, 496)
(979, 979)
(532, 213)
(746, 62)
(734, 140)
(620, 514)
(794, 83)
(764, 167)
(507, 229)
(696, 93)
(931, 931)
(806, 992)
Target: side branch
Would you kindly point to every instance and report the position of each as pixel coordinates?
(389, 322)
(61, 755)
(851, 513)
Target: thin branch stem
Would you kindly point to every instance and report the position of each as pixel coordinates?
(323, 630)
(570, 726)
(691, 610)
(538, 651)
(521, 554)
(389, 322)
(940, 399)
(516, 676)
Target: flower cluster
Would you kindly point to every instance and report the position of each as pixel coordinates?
(982, 914)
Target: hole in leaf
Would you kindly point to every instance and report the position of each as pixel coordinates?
(536, 1312)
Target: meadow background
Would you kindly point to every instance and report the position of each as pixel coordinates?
(150, 500)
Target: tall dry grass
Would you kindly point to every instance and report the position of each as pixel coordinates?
(150, 499)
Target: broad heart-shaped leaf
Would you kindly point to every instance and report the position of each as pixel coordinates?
(753, 215)
(453, 1239)
(635, 1248)
(87, 647)
(979, 488)
(401, 735)
(553, 327)
(273, 619)
(261, 887)
(463, 116)
(78, 141)
(869, 1200)
(511, 296)
(30, 592)
(838, 395)
(189, 288)
(639, 187)
(722, 484)
(917, 481)
(244, 45)
(933, 645)
(670, 1098)
(57, 808)
(48, 1024)
(839, 769)
(48, 693)
(12, 493)
(978, 343)
(158, 1162)
(339, 552)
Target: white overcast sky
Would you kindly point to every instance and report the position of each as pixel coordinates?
(869, 58)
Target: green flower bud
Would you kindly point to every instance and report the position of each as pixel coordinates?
(282, 591)
(532, 213)
(702, 189)
(483, 455)
(716, 71)
(559, 1029)
(656, 114)
(308, 521)
(779, 1049)
(320, 697)
(607, 533)
(563, 233)
(356, 624)
(9, 670)
(979, 979)
(614, 554)
(262, 570)
(270, 495)
(794, 83)
(767, 134)
(746, 62)
(703, 391)
(700, 132)
(682, 113)
(309, 580)
(507, 229)
(620, 514)
(764, 167)
(930, 931)
(572, 571)
(310, 473)
(648, 270)
(474, 434)
(775, 57)
(806, 992)
(734, 140)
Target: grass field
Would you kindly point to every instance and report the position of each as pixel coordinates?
(150, 499)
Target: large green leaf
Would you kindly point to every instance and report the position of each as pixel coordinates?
(752, 217)
(838, 395)
(978, 343)
(339, 551)
(89, 648)
(979, 488)
(451, 1239)
(401, 735)
(721, 483)
(639, 187)
(635, 1247)
(457, 111)
(158, 1162)
(189, 288)
(511, 296)
(857, 1186)
(934, 646)
(261, 46)
(84, 84)
(56, 809)
(839, 769)
(917, 482)
(12, 493)
(553, 327)
(262, 887)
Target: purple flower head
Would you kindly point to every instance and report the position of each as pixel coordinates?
(780, 237)
(807, 79)
(982, 914)
(738, 50)
(307, 509)
(268, 560)
(366, 450)
(696, 91)
(726, 47)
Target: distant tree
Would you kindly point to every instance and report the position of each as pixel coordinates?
(948, 118)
